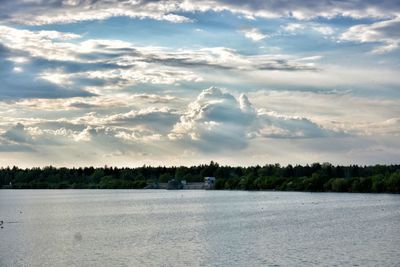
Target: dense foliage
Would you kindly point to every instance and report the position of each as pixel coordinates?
(316, 177)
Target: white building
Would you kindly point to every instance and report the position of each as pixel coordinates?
(209, 182)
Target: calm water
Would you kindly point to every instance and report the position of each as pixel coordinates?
(197, 228)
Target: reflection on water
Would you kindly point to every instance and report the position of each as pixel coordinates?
(197, 228)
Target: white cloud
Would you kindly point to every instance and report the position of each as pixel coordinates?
(386, 33)
(159, 120)
(291, 27)
(58, 11)
(104, 102)
(213, 124)
(218, 120)
(279, 126)
(295, 27)
(46, 44)
(325, 30)
(117, 54)
(339, 112)
(365, 79)
(302, 10)
(64, 12)
(254, 34)
(215, 120)
(18, 69)
(98, 66)
(18, 134)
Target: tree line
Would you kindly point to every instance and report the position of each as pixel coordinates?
(314, 178)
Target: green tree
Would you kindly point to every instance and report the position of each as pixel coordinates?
(378, 183)
(393, 183)
(97, 175)
(340, 185)
(165, 177)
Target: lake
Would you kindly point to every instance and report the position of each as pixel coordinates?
(197, 228)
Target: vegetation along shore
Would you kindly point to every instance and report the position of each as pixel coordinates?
(314, 178)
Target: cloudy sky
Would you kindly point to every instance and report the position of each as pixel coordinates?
(131, 82)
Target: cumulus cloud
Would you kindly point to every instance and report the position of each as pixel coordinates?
(217, 120)
(214, 123)
(386, 33)
(94, 97)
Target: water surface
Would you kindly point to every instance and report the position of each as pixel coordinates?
(197, 228)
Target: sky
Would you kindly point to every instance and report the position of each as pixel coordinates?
(134, 82)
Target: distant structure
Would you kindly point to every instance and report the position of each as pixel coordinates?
(153, 186)
(184, 184)
(174, 185)
(209, 183)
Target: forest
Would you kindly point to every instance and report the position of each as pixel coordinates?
(316, 177)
